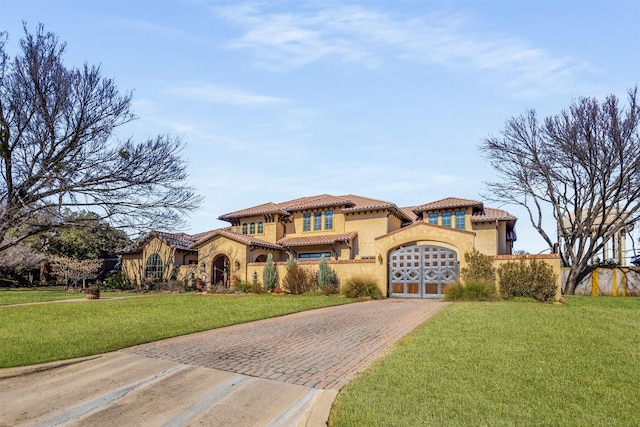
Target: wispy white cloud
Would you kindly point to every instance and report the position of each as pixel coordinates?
(213, 94)
(288, 40)
(160, 30)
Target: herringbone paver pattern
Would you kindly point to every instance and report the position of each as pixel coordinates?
(322, 348)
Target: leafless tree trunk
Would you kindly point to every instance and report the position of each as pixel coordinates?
(583, 163)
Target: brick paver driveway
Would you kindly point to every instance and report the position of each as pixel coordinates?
(280, 372)
(322, 348)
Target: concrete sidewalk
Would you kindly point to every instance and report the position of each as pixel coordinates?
(284, 371)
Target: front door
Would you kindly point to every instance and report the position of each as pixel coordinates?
(422, 271)
(220, 273)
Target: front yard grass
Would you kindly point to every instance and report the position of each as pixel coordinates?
(22, 296)
(46, 332)
(505, 364)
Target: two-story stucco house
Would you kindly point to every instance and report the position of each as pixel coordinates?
(410, 252)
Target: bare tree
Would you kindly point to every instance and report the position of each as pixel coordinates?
(583, 163)
(58, 150)
(72, 271)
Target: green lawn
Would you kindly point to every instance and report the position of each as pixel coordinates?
(506, 364)
(47, 332)
(21, 296)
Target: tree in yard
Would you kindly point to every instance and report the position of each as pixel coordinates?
(73, 271)
(270, 274)
(583, 163)
(58, 150)
(87, 238)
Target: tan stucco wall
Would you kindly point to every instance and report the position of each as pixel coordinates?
(271, 233)
(133, 268)
(344, 269)
(133, 265)
(368, 226)
(486, 237)
(236, 252)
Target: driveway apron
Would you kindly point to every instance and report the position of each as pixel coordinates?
(283, 371)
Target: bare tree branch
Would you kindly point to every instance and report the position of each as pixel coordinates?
(582, 163)
(57, 149)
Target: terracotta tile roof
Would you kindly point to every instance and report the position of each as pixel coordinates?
(239, 237)
(314, 202)
(180, 241)
(409, 212)
(491, 214)
(264, 209)
(448, 203)
(364, 203)
(325, 239)
(349, 203)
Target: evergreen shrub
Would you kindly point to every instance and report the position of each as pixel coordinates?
(479, 268)
(327, 278)
(270, 274)
(533, 279)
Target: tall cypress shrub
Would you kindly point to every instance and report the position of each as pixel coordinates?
(270, 274)
(325, 274)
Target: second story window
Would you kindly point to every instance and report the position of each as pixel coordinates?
(244, 228)
(446, 219)
(433, 219)
(317, 221)
(328, 220)
(260, 227)
(460, 220)
(252, 228)
(306, 222)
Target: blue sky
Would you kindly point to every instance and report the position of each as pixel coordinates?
(384, 99)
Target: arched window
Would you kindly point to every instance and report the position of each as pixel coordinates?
(244, 228)
(153, 268)
(260, 227)
(252, 228)
(261, 258)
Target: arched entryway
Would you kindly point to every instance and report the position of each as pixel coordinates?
(220, 273)
(422, 271)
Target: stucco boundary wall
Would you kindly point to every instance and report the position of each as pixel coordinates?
(616, 281)
(552, 259)
(345, 269)
(378, 271)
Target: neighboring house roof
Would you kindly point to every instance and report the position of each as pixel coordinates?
(324, 239)
(179, 241)
(491, 214)
(242, 238)
(448, 203)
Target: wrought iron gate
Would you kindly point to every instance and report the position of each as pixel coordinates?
(422, 271)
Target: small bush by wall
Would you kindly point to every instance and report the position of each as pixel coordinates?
(471, 291)
(362, 287)
(479, 268)
(299, 280)
(533, 279)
